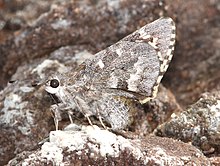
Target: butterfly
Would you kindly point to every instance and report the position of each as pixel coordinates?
(130, 69)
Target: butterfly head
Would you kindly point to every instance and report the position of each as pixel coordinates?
(53, 85)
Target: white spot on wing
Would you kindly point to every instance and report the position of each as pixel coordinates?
(132, 81)
(113, 81)
(144, 36)
(100, 64)
(118, 51)
(132, 86)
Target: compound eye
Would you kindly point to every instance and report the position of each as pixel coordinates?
(54, 83)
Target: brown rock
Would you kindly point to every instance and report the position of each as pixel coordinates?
(196, 64)
(199, 124)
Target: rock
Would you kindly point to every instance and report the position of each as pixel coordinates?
(156, 112)
(90, 145)
(199, 124)
(195, 67)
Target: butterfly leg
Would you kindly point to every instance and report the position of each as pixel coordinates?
(90, 122)
(97, 108)
(70, 116)
(57, 110)
(56, 115)
(100, 119)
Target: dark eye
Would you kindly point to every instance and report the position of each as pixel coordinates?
(54, 83)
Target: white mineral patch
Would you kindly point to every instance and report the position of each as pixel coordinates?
(48, 63)
(81, 56)
(196, 130)
(215, 117)
(70, 139)
(61, 24)
(52, 153)
(96, 141)
(162, 158)
(26, 89)
(10, 108)
(103, 143)
(49, 152)
(14, 109)
(215, 108)
(71, 54)
(115, 4)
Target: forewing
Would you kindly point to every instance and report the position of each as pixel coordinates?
(127, 66)
(135, 65)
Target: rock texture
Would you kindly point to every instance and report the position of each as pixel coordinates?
(94, 146)
(59, 35)
(198, 124)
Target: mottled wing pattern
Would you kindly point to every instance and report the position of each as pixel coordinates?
(128, 67)
(136, 64)
(132, 68)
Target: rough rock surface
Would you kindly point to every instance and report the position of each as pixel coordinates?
(198, 124)
(91, 145)
(59, 35)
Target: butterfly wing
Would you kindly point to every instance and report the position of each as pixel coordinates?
(127, 66)
(131, 68)
(134, 66)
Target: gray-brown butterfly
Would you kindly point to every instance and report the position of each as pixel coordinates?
(131, 69)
